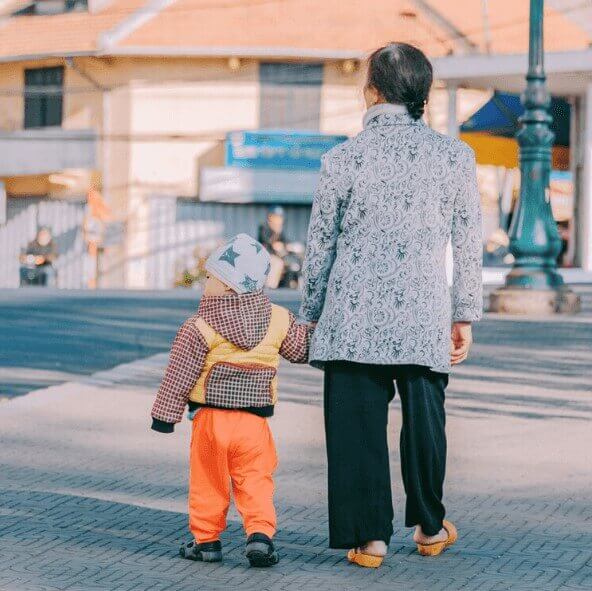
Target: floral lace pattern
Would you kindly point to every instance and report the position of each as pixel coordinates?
(388, 202)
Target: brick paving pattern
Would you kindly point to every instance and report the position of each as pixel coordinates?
(91, 500)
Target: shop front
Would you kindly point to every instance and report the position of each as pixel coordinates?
(266, 168)
(260, 170)
(569, 82)
(491, 132)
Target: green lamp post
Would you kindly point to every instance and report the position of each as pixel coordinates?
(534, 285)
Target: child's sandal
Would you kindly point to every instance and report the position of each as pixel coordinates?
(438, 547)
(356, 556)
(260, 551)
(207, 552)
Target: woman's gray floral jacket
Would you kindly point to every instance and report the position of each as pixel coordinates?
(388, 202)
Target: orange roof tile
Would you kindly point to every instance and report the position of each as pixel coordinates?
(74, 32)
(349, 25)
(508, 25)
(307, 26)
(352, 25)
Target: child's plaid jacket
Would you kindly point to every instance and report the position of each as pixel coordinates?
(226, 356)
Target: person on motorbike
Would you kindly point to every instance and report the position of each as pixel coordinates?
(271, 235)
(43, 249)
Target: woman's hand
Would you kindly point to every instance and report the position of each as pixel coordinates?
(461, 340)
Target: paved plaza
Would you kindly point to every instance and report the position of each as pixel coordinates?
(91, 499)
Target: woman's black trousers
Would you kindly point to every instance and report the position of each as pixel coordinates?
(357, 399)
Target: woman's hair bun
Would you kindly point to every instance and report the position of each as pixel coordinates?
(403, 75)
(416, 108)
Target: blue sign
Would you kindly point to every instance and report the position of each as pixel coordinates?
(291, 150)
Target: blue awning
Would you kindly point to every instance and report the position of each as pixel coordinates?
(499, 116)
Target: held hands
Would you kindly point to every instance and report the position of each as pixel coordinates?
(461, 340)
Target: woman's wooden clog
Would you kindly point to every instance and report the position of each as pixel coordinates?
(438, 547)
(366, 560)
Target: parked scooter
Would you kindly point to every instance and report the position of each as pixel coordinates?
(287, 257)
(35, 270)
(293, 258)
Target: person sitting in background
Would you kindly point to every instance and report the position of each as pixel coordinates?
(43, 245)
(44, 249)
(271, 235)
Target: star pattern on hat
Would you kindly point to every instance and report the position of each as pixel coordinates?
(229, 255)
(249, 284)
(257, 247)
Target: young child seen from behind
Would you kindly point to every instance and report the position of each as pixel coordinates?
(223, 364)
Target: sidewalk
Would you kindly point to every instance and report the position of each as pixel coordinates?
(90, 499)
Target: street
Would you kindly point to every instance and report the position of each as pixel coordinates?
(50, 336)
(92, 500)
(374, 149)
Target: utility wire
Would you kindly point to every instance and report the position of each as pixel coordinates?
(53, 134)
(36, 91)
(56, 91)
(288, 79)
(511, 23)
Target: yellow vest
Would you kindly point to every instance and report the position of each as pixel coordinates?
(236, 378)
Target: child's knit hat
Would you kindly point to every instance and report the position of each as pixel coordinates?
(243, 264)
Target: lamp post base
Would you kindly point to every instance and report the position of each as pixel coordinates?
(539, 302)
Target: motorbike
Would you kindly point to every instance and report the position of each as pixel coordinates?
(36, 270)
(293, 258)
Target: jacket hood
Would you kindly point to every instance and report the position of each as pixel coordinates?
(242, 319)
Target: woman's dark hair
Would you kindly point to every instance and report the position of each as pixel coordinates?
(402, 74)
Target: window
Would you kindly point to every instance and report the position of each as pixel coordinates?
(43, 97)
(290, 95)
(49, 7)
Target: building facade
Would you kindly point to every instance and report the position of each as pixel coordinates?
(138, 100)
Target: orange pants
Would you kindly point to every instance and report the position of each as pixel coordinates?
(230, 446)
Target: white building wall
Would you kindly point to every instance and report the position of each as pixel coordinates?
(179, 117)
(65, 218)
(585, 202)
(180, 228)
(342, 100)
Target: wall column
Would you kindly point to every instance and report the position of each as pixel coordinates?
(452, 118)
(585, 199)
(451, 130)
